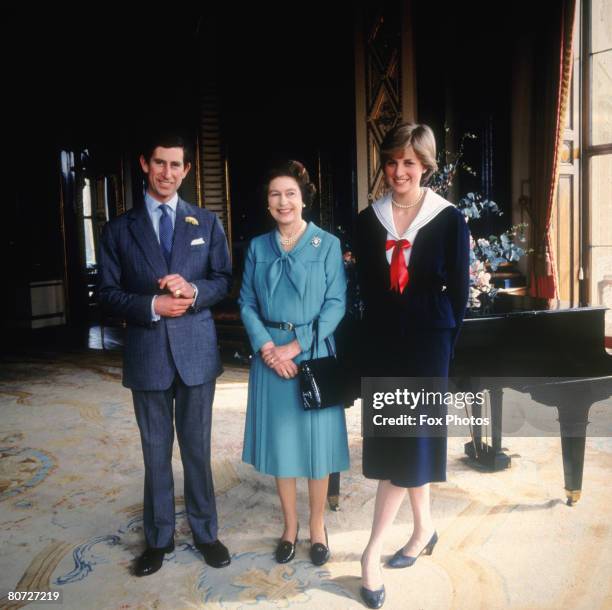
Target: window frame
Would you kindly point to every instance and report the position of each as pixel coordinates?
(588, 149)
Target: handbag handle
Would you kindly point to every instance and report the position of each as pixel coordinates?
(315, 341)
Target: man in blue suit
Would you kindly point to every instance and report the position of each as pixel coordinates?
(162, 265)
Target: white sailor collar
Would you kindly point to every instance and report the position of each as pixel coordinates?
(432, 206)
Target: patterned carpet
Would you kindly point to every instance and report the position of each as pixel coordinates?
(71, 479)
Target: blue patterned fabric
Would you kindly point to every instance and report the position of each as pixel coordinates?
(166, 232)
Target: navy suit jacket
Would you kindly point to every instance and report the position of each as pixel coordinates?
(130, 262)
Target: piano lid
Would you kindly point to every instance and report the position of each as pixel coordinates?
(507, 305)
(568, 341)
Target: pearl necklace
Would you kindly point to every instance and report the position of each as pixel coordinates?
(288, 241)
(409, 205)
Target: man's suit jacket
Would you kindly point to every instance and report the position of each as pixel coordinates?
(130, 262)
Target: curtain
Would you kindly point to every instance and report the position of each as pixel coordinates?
(553, 63)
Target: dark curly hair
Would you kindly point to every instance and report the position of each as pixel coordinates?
(165, 139)
(295, 170)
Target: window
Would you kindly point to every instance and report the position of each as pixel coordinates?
(596, 71)
(88, 234)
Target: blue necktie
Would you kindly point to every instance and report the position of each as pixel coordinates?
(166, 232)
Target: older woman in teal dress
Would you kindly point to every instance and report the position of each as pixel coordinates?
(293, 275)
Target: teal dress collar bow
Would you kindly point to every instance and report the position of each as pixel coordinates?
(289, 262)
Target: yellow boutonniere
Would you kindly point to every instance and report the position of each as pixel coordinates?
(192, 221)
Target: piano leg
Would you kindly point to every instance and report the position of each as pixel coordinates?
(333, 491)
(501, 460)
(473, 449)
(490, 456)
(573, 420)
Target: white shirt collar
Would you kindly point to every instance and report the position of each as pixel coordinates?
(432, 206)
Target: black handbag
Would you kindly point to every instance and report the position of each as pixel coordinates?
(321, 379)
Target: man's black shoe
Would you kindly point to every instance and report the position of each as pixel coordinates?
(215, 553)
(151, 560)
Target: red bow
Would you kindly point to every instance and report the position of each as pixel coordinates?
(398, 269)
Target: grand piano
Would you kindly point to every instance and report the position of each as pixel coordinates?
(563, 347)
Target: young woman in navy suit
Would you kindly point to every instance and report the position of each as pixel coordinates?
(413, 262)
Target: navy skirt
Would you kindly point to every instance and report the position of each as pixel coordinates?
(407, 462)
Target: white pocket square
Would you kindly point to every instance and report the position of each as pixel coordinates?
(197, 242)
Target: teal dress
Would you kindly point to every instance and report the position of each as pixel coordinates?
(280, 438)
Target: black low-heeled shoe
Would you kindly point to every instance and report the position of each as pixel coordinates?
(215, 553)
(151, 560)
(399, 560)
(285, 550)
(373, 599)
(319, 552)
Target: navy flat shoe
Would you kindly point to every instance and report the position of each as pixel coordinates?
(373, 599)
(399, 560)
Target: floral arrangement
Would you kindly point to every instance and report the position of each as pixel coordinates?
(480, 280)
(486, 255)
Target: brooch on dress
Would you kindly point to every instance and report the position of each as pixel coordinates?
(316, 241)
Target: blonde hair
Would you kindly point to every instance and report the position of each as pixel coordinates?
(422, 140)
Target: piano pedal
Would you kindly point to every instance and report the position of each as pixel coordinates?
(484, 455)
(334, 503)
